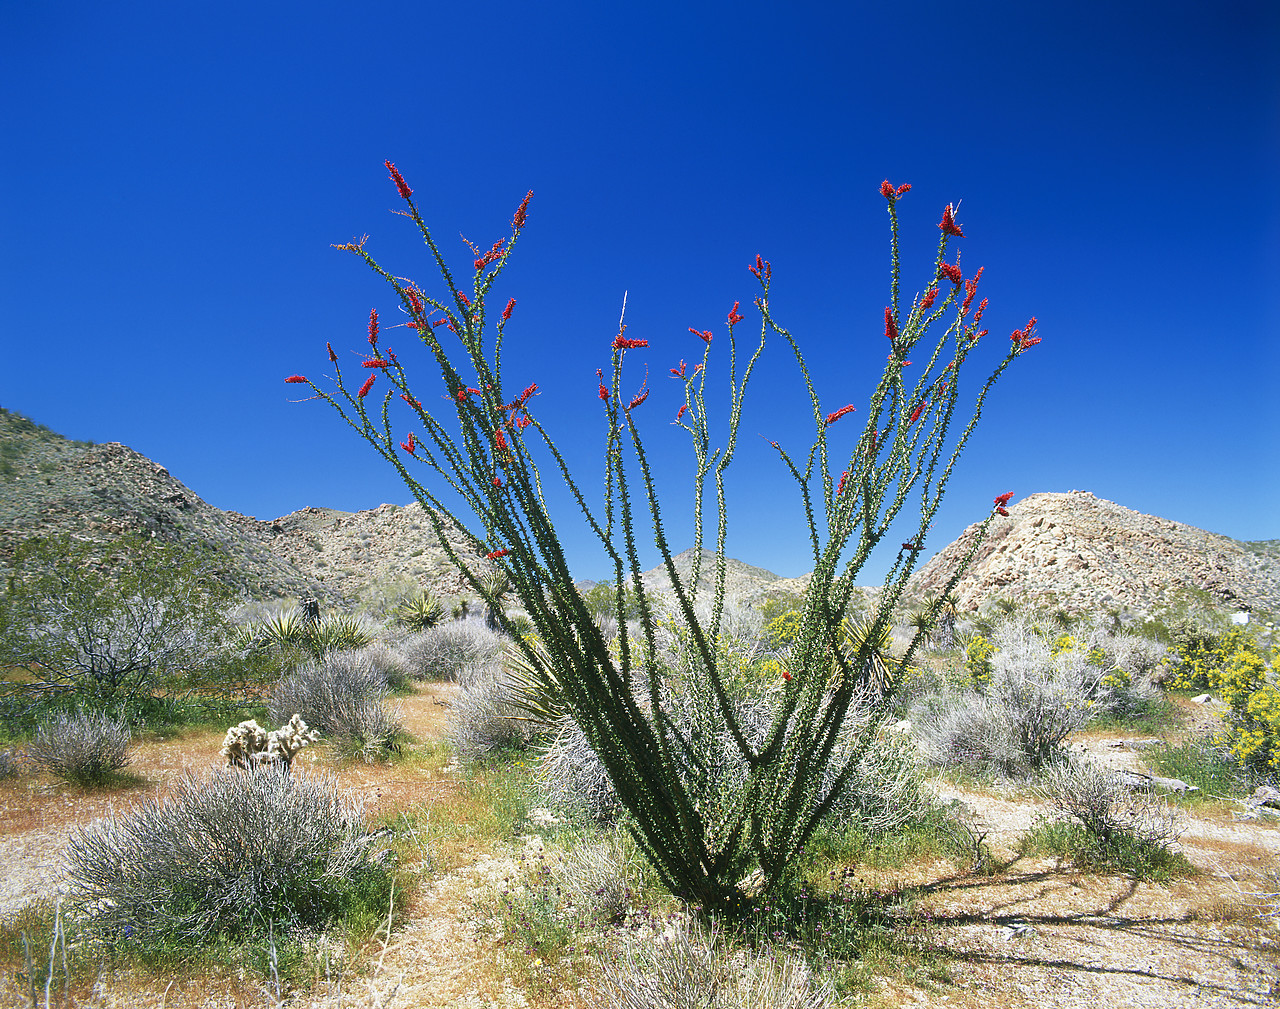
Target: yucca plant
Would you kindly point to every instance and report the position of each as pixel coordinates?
(420, 612)
(484, 456)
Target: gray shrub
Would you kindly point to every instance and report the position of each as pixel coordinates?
(599, 880)
(1098, 799)
(344, 696)
(83, 748)
(683, 968)
(454, 652)
(1018, 722)
(232, 854)
(486, 717)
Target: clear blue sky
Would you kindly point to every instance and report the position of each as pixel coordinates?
(173, 175)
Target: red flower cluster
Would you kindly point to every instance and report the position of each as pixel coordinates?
(411, 401)
(621, 342)
(465, 391)
(464, 299)
(911, 546)
(373, 327)
(1023, 338)
(364, 389)
(680, 412)
(833, 417)
(1001, 501)
(786, 676)
(494, 555)
(639, 398)
(522, 211)
(734, 316)
(840, 487)
(332, 356)
(490, 256)
(703, 334)
(970, 290)
(604, 393)
(297, 379)
(889, 193)
(762, 269)
(890, 326)
(951, 272)
(926, 302)
(409, 445)
(915, 414)
(948, 225)
(398, 179)
(506, 312)
(497, 482)
(375, 362)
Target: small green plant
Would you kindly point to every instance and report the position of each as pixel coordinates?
(1199, 762)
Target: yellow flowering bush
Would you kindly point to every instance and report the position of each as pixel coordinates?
(977, 660)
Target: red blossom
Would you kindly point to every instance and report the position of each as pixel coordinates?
(970, 290)
(951, 272)
(703, 334)
(840, 488)
(297, 379)
(409, 444)
(500, 442)
(490, 256)
(639, 398)
(517, 222)
(679, 372)
(332, 356)
(411, 401)
(398, 179)
(523, 422)
(497, 482)
(982, 307)
(375, 362)
(911, 546)
(436, 323)
(1023, 338)
(604, 393)
(948, 225)
(364, 389)
(495, 554)
(762, 269)
(1001, 511)
(530, 391)
(734, 316)
(1003, 499)
(926, 302)
(904, 188)
(414, 299)
(833, 417)
(506, 312)
(890, 325)
(886, 189)
(621, 342)
(786, 676)
(915, 414)
(464, 299)
(680, 412)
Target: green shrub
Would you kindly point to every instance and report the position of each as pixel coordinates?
(102, 627)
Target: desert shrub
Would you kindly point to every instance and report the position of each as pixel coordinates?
(600, 880)
(487, 717)
(573, 778)
(11, 763)
(685, 968)
(232, 855)
(103, 626)
(454, 652)
(1100, 822)
(343, 695)
(82, 748)
(1019, 720)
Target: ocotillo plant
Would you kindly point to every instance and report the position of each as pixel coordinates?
(708, 808)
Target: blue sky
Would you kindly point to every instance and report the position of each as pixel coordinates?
(173, 176)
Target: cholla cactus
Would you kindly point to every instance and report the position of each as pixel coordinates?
(249, 746)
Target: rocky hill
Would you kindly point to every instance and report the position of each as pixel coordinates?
(1072, 551)
(49, 485)
(1082, 554)
(742, 581)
